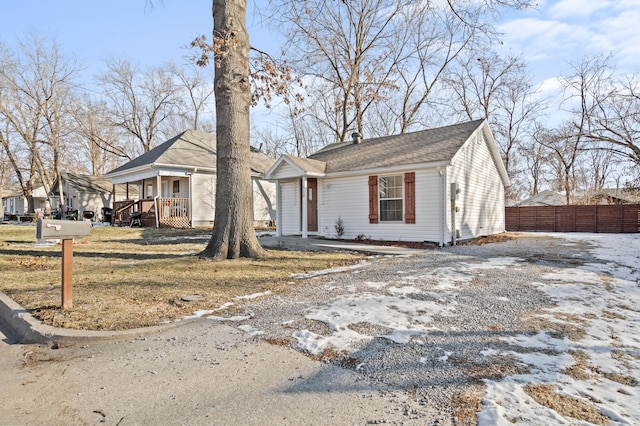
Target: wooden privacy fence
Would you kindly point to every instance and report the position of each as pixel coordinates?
(593, 218)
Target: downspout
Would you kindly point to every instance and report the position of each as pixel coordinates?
(455, 190)
(443, 208)
(278, 211)
(155, 209)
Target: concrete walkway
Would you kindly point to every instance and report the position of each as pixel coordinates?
(319, 244)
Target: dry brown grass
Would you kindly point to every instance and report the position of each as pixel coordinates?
(583, 370)
(570, 326)
(613, 315)
(565, 405)
(329, 355)
(496, 371)
(467, 404)
(125, 278)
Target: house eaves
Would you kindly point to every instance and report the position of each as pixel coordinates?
(390, 169)
(495, 154)
(301, 167)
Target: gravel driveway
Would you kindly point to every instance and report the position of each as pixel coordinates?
(536, 330)
(440, 325)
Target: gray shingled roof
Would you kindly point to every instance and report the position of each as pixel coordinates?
(307, 164)
(87, 183)
(544, 198)
(190, 148)
(433, 145)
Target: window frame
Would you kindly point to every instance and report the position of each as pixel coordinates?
(398, 186)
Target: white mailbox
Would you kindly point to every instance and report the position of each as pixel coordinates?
(49, 229)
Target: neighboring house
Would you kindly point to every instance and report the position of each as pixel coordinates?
(607, 196)
(86, 193)
(543, 198)
(12, 201)
(15, 203)
(175, 183)
(436, 185)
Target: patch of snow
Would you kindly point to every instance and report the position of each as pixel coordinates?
(312, 274)
(253, 296)
(237, 318)
(250, 330)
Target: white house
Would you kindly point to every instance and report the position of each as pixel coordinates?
(14, 203)
(436, 185)
(174, 184)
(86, 193)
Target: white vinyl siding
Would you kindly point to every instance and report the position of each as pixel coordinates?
(285, 171)
(348, 198)
(481, 199)
(203, 199)
(290, 216)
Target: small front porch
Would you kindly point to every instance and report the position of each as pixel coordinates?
(159, 212)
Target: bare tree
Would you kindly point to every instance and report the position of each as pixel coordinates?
(373, 65)
(433, 39)
(233, 235)
(140, 102)
(486, 85)
(615, 121)
(565, 146)
(348, 46)
(97, 138)
(36, 89)
(536, 162)
(197, 89)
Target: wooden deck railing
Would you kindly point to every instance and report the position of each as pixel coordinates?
(174, 212)
(122, 210)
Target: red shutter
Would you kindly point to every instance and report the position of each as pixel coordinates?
(410, 197)
(373, 199)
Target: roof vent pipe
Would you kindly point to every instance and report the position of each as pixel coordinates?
(356, 137)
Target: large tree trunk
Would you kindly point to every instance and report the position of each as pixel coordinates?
(233, 233)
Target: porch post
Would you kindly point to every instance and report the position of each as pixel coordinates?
(305, 218)
(278, 210)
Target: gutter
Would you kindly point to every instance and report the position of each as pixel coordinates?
(155, 209)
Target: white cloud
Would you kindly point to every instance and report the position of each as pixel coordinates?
(543, 40)
(564, 31)
(567, 9)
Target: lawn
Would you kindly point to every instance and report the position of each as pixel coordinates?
(135, 277)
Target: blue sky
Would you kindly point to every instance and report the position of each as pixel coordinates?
(557, 31)
(97, 30)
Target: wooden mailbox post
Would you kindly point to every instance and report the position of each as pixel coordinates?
(65, 230)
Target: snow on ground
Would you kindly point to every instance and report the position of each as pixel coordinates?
(603, 297)
(607, 297)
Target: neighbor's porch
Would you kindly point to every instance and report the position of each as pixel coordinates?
(159, 212)
(155, 200)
